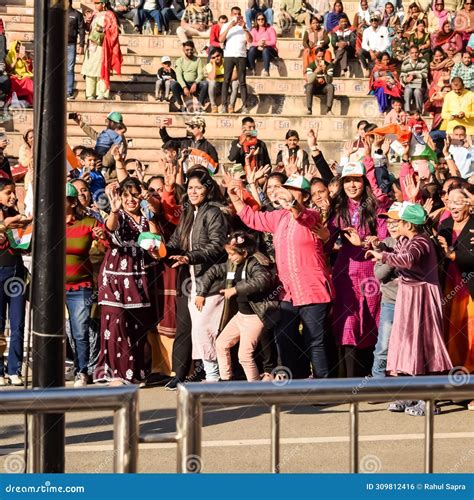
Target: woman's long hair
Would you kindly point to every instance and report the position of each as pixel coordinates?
(187, 217)
(368, 207)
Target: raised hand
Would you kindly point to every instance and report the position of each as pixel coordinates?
(113, 195)
(412, 189)
(353, 236)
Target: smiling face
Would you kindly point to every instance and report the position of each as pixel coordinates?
(319, 194)
(8, 196)
(84, 195)
(385, 60)
(397, 106)
(353, 187)
(273, 185)
(389, 8)
(292, 142)
(458, 205)
(131, 200)
(196, 192)
(234, 256)
(392, 226)
(88, 162)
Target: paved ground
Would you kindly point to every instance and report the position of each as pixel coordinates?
(237, 439)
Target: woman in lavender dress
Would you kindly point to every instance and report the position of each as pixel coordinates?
(126, 294)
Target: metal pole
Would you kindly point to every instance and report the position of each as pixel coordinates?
(189, 428)
(429, 435)
(126, 437)
(33, 455)
(49, 226)
(275, 438)
(354, 438)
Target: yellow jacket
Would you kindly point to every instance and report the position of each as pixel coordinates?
(452, 105)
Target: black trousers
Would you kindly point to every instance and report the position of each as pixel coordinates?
(182, 346)
(358, 362)
(229, 64)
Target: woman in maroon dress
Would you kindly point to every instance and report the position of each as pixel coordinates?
(125, 288)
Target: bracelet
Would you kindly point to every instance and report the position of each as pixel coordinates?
(112, 212)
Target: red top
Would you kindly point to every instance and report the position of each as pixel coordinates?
(214, 35)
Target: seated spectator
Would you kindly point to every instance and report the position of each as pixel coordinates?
(421, 39)
(316, 37)
(440, 67)
(256, 7)
(470, 44)
(173, 10)
(196, 21)
(4, 80)
(343, 40)
(464, 21)
(361, 21)
(399, 46)
(151, 10)
(5, 170)
(127, 9)
(393, 116)
(249, 142)
(215, 77)
(453, 5)
(465, 70)
(458, 108)
(390, 18)
(263, 45)
(379, 5)
(414, 73)
(215, 34)
(165, 78)
(437, 17)
(409, 24)
(448, 40)
(293, 11)
(318, 78)
(189, 78)
(416, 123)
(384, 82)
(20, 69)
(332, 19)
(375, 40)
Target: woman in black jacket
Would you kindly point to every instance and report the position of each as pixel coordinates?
(196, 245)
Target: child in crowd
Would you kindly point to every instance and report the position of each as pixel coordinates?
(248, 277)
(416, 344)
(165, 77)
(91, 172)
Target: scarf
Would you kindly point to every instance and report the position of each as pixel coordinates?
(364, 14)
(441, 15)
(111, 53)
(382, 67)
(19, 67)
(285, 157)
(447, 63)
(442, 37)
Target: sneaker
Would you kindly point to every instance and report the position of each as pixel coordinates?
(81, 380)
(224, 110)
(196, 376)
(70, 97)
(245, 110)
(15, 380)
(266, 377)
(419, 409)
(90, 98)
(309, 111)
(266, 73)
(69, 376)
(156, 379)
(172, 385)
(2, 381)
(399, 406)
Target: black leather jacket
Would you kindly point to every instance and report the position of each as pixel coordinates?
(209, 236)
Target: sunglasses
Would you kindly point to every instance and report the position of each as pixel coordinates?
(260, 19)
(131, 171)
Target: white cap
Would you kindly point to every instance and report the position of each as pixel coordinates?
(165, 59)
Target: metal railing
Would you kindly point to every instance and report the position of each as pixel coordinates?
(193, 397)
(37, 402)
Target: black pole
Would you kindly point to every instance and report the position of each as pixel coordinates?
(48, 275)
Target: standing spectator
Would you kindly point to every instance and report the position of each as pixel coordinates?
(314, 38)
(173, 10)
(196, 21)
(103, 52)
(256, 7)
(263, 46)
(20, 69)
(128, 9)
(458, 108)
(413, 75)
(235, 36)
(76, 28)
(215, 76)
(334, 15)
(318, 77)
(189, 78)
(464, 69)
(165, 78)
(248, 142)
(464, 21)
(151, 10)
(343, 40)
(215, 34)
(375, 40)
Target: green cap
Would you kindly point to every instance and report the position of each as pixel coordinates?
(71, 191)
(115, 116)
(298, 182)
(412, 212)
(236, 170)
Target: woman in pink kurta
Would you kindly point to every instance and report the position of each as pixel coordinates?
(357, 304)
(306, 287)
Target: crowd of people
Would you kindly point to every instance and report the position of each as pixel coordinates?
(293, 267)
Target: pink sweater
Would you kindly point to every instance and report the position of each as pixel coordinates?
(267, 34)
(300, 259)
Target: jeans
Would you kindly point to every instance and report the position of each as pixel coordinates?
(152, 14)
(202, 88)
(215, 89)
(417, 95)
(385, 327)
(170, 14)
(241, 64)
(94, 344)
(267, 54)
(71, 61)
(132, 15)
(251, 14)
(365, 59)
(211, 369)
(317, 89)
(79, 305)
(294, 349)
(12, 294)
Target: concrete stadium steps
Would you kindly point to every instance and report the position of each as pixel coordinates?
(145, 125)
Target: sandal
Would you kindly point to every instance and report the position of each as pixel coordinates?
(399, 406)
(420, 408)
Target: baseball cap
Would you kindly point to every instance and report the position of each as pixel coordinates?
(71, 191)
(115, 116)
(196, 122)
(392, 212)
(353, 169)
(165, 59)
(236, 170)
(298, 182)
(410, 212)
